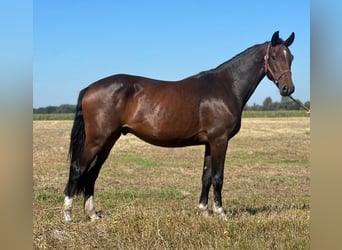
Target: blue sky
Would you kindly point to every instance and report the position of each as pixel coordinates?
(78, 42)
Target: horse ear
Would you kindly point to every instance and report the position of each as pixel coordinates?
(275, 38)
(289, 40)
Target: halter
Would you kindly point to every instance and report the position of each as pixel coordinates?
(276, 80)
(268, 68)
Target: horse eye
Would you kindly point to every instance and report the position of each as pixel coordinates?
(273, 57)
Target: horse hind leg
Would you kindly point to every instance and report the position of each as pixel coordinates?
(81, 173)
(73, 187)
(92, 174)
(76, 181)
(89, 204)
(67, 208)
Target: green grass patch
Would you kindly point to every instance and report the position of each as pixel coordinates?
(128, 194)
(274, 113)
(134, 160)
(51, 117)
(266, 157)
(48, 195)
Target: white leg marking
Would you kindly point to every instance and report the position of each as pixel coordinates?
(217, 210)
(67, 208)
(89, 208)
(220, 212)
(204, 208)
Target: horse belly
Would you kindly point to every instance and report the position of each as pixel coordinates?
(165, 140)
(166, 129)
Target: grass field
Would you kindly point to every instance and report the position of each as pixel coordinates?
(148, 195)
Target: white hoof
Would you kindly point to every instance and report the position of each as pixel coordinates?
(223, 216)
(67, 216)
(204, 210)
(203, 207)
(220, 212)
(89, 208)
(94, 217)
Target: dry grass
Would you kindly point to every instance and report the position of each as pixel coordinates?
(148, 195)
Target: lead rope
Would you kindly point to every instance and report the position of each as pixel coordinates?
(308, 111)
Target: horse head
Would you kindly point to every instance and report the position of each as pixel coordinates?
(278, 61)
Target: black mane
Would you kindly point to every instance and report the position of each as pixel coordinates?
(238, 56)
(232, 60)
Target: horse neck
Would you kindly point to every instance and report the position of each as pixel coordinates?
(244, 72)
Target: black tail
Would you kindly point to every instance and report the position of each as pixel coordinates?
(77, 137)
(77, 140)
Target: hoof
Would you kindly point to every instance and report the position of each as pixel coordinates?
(203, 207)
(204, 210)
(67, 216)
(223, 216)
(220, 212)
(94, 217)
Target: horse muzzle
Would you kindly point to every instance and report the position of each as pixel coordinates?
(286, 89)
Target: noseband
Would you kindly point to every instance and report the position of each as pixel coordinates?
(268, 68)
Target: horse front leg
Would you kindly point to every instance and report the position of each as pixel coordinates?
(218, 159)
(206, 181)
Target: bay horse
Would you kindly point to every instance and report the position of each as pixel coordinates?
(203, 109)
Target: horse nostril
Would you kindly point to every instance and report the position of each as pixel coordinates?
(284, 89)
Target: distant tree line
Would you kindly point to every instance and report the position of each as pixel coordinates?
(285, 104)
(268, 104)
(62, 109)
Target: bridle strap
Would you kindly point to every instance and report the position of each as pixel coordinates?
(268, 68)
